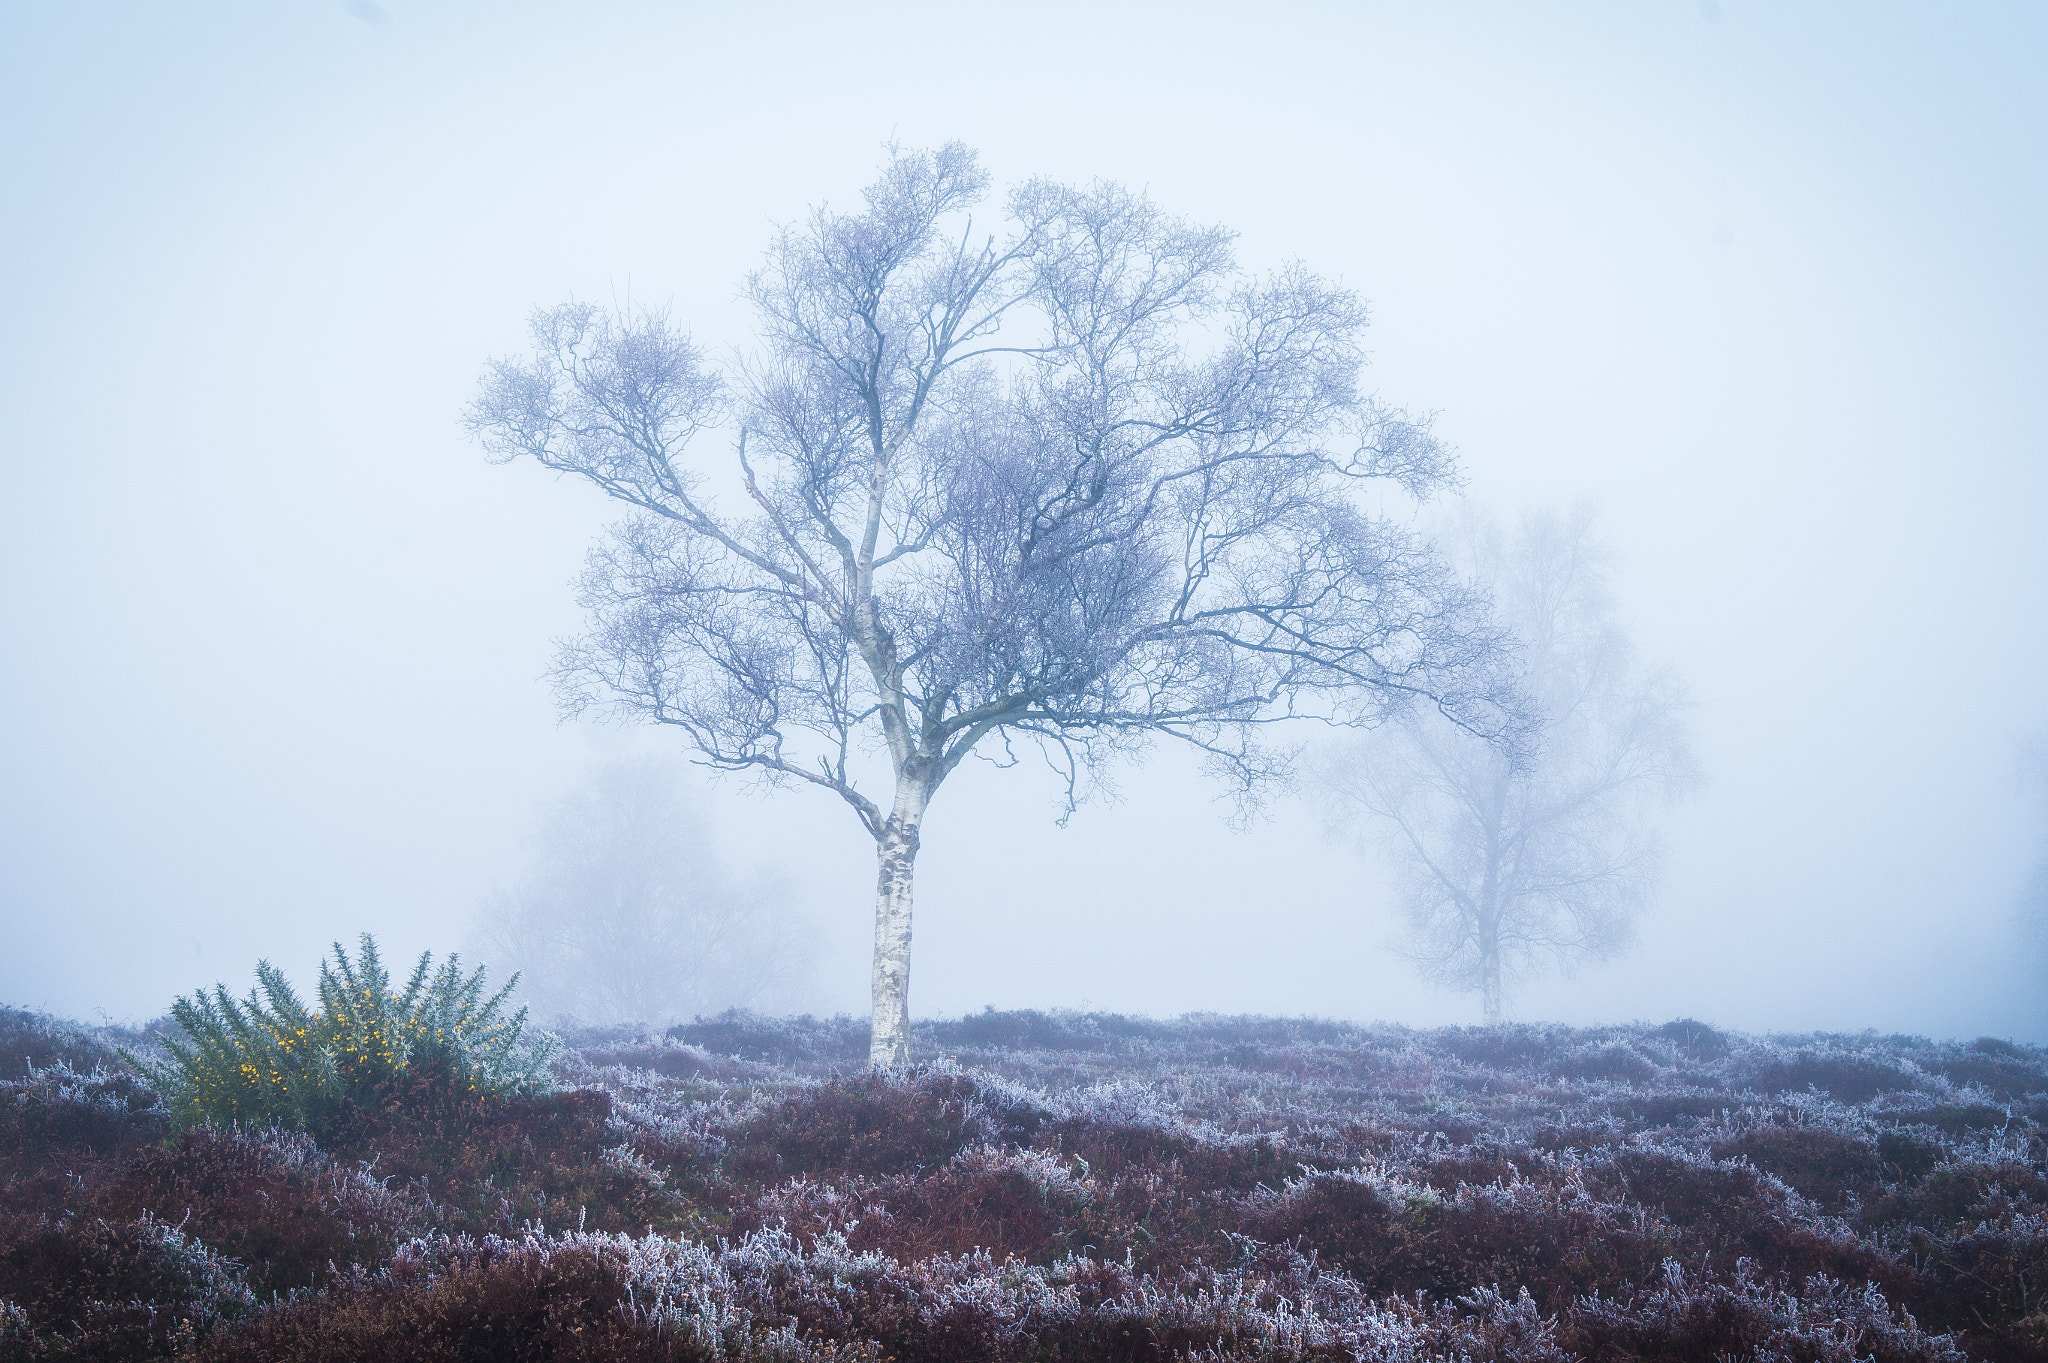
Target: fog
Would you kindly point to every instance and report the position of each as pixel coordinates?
(1763, 281)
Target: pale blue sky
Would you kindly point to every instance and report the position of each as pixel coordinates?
(1765, 279)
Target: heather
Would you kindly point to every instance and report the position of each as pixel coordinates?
(1052, 1185)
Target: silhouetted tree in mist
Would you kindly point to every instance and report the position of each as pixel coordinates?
(625, 913)
(2033, 900)
(1502, 869)
(1079, 481)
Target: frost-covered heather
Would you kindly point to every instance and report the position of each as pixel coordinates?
(1066, 1186)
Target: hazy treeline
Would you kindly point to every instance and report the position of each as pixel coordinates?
(626, 912)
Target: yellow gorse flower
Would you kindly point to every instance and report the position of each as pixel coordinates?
(270, 1058)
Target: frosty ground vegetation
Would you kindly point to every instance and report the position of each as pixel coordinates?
(1082, 1186)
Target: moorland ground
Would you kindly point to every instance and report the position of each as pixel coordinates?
(1055, 1186)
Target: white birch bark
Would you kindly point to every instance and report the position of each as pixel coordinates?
(1490, 906)
(1489, 979)
(896, 862)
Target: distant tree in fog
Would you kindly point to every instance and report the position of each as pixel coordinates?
(1079, 482)
(2033, 901)
(626, 915)
(1502, 869)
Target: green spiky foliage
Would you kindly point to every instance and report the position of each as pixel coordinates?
(268, 1060)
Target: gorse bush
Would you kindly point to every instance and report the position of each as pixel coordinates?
(269, 1060)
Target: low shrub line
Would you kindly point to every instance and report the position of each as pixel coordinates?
(1216, 1188)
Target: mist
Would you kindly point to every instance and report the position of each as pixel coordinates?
(1763, 284)
(626, 915)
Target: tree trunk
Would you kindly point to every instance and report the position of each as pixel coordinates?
(896, 857)
(1489, 978)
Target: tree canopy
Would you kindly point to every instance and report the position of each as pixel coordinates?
(1080, 481)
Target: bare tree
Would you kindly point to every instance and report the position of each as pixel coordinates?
(1505, 867)
(2033, 898)
(1079, 482)
(627, 915)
